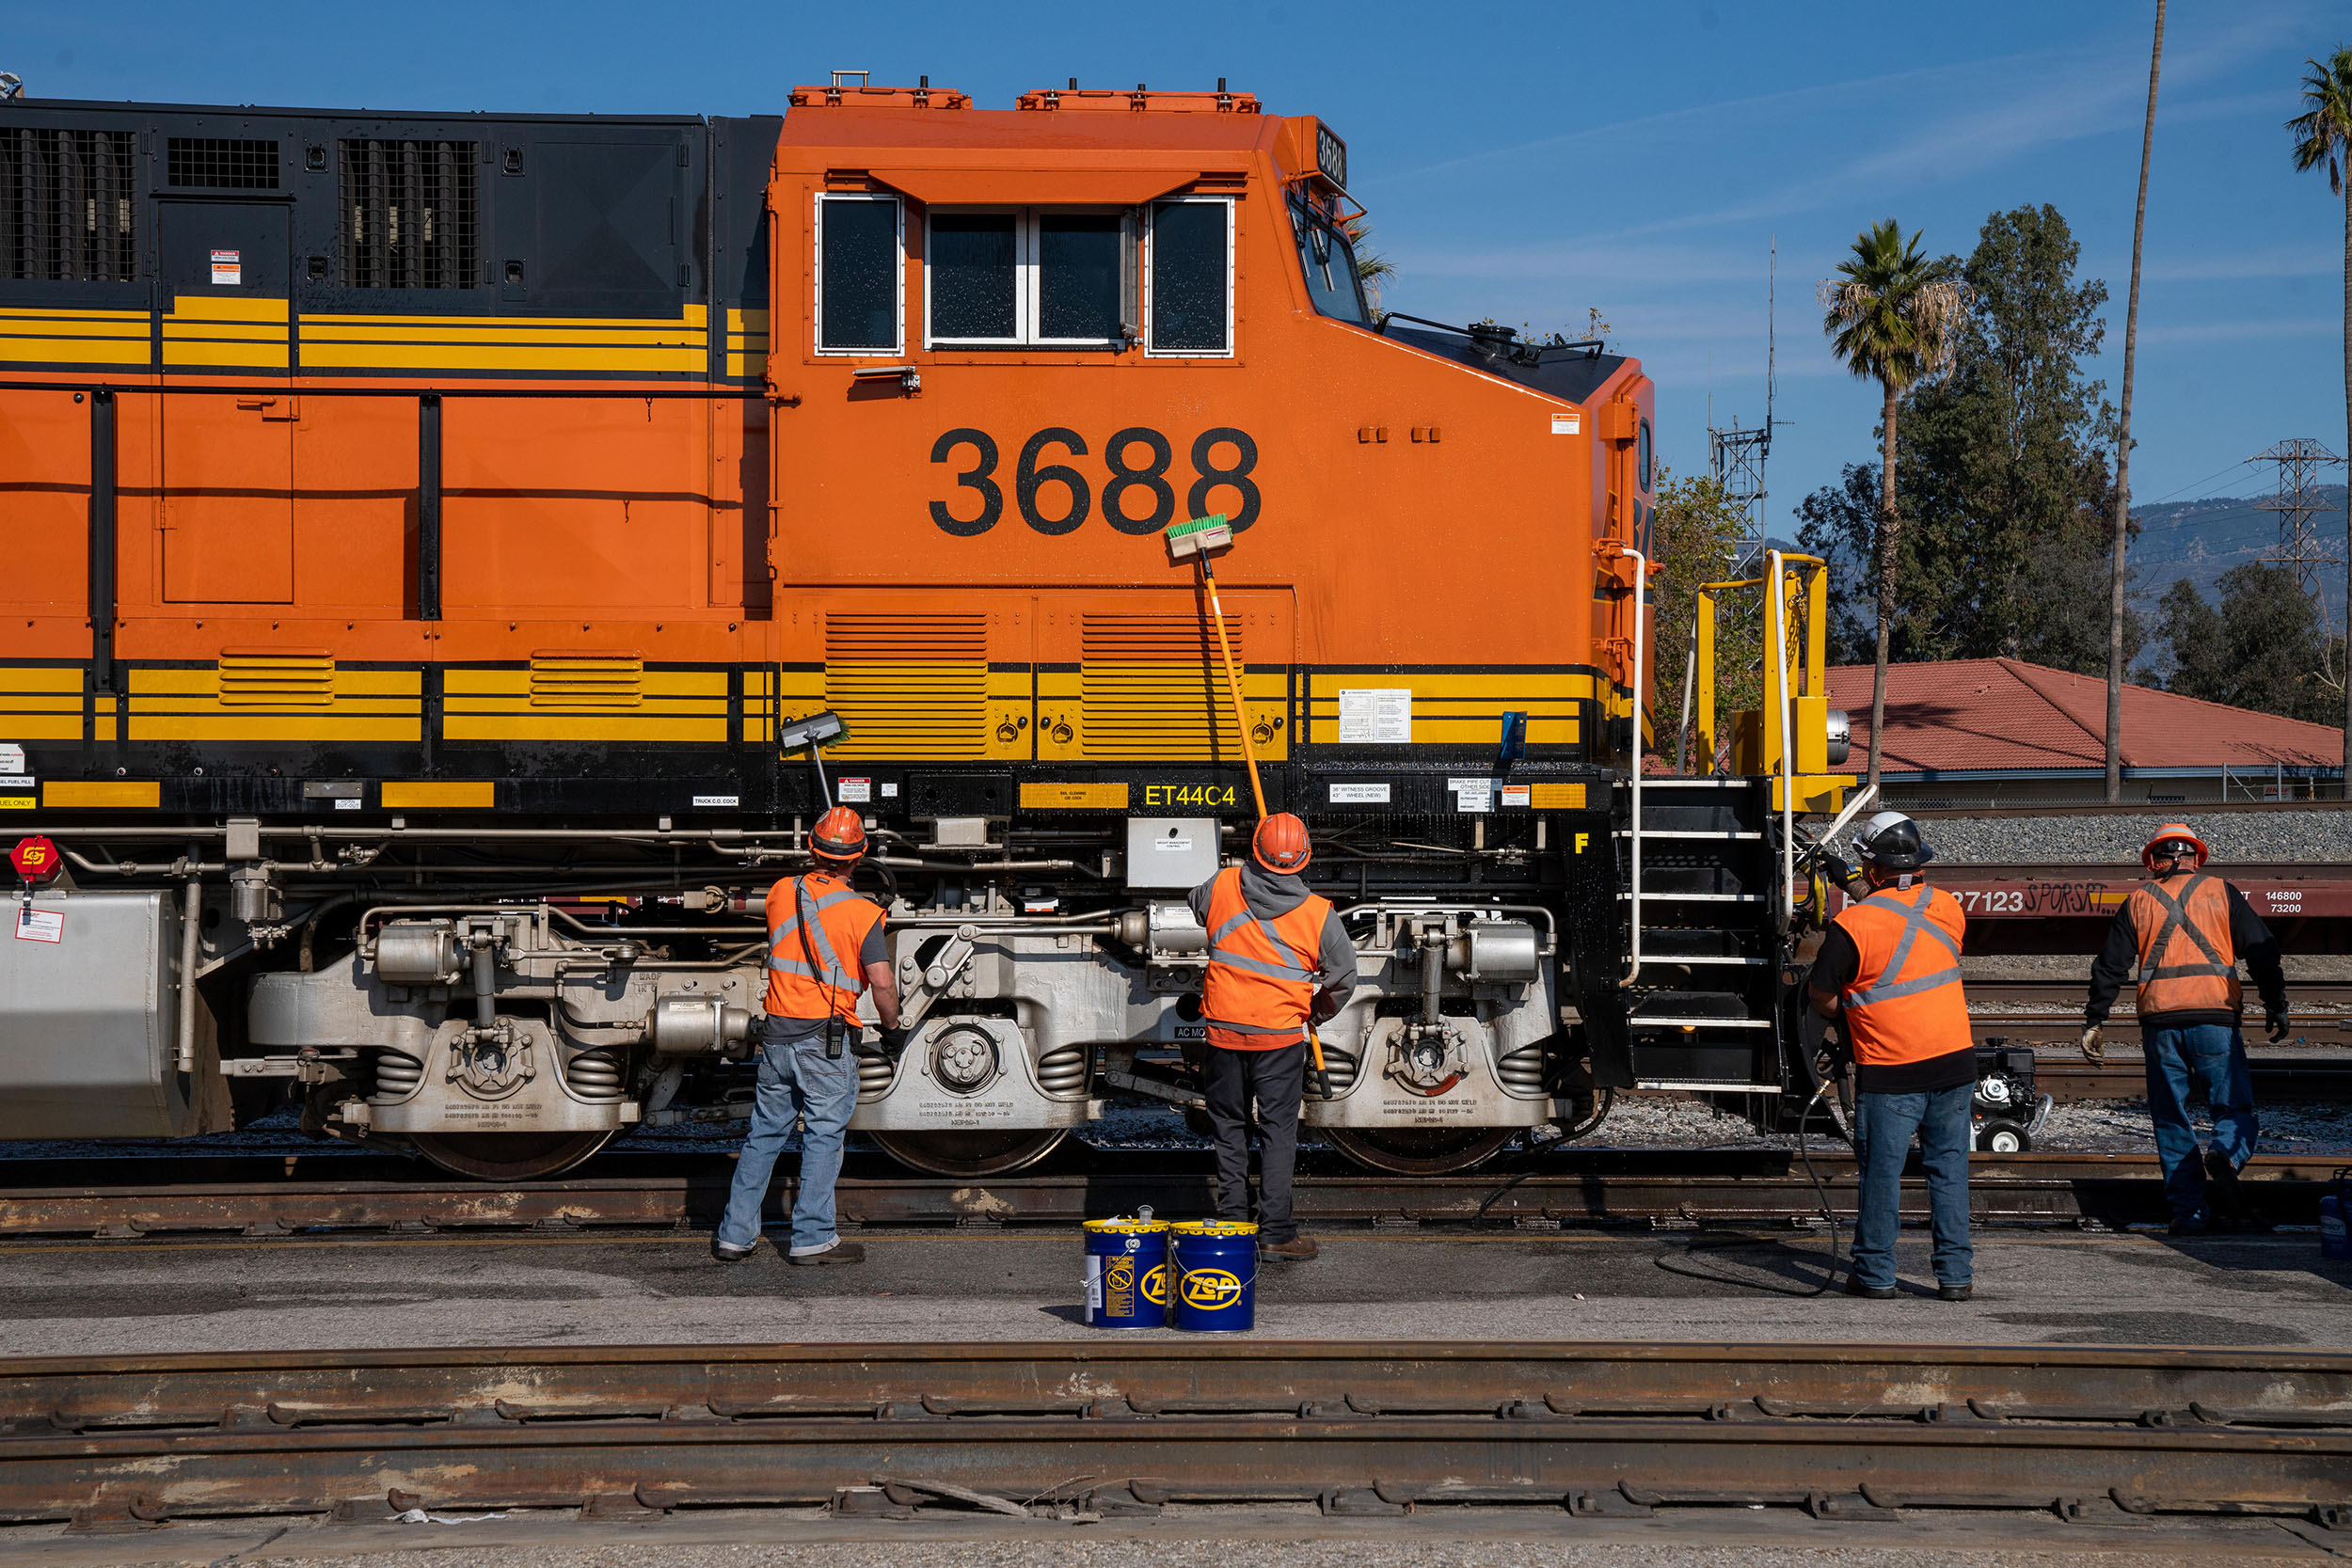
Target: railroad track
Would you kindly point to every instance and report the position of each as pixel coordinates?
(2320, 1082)
(1580, 1188)
(1127, 1428)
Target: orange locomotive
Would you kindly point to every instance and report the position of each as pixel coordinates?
(453, 558)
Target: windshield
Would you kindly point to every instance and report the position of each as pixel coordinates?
(1330, 262)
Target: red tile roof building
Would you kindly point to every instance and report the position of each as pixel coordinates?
(1974, 731)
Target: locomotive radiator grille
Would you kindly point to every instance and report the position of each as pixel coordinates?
(913, 687)
(1151, 689)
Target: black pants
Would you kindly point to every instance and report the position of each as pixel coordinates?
(1278, 1081)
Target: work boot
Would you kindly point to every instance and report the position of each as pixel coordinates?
(1955, 1292)
(1298, 1249)
(2222, 1191)
(1868, 1293)
(2188, 1225)
(727, 1254)
(840, 1252)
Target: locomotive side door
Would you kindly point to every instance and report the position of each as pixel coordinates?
(228, 456)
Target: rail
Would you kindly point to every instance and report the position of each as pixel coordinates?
(350, 1193)
(1134, 1428)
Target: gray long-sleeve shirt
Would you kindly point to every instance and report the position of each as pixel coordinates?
(1270, 894)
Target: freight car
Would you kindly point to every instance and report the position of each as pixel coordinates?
(442, 549)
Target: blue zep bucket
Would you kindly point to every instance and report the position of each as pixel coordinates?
(1213, 1267)
(1126, 1273)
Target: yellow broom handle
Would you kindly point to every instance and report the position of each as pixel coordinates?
(1233, 684)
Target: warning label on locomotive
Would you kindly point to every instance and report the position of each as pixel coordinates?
(1360, 795)
(228, 271)
(1377, 716)
(34, 924)
(1073, 797)
(847, 790)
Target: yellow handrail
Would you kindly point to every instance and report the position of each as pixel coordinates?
(1789, 666)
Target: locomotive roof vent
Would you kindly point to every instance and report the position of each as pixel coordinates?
(846, 94)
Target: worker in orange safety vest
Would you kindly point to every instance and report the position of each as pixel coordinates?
(1888, 970)
(1279, 960)
(825, 948)
(2180, 936)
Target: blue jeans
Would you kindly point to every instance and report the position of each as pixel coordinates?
(797, 1082)
(2207, 1059)
(1883, 1124)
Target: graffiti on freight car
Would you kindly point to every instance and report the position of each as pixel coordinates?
(2042, 899)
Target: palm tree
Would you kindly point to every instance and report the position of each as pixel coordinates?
(2120, 571)
(1892, 317)
(2323, 140)
(1374, 270)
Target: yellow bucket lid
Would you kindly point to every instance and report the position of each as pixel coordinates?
(1213, 1228)
(1126, 1226)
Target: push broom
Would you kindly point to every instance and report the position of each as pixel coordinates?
(1199, 541)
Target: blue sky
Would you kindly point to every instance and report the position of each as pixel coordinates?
(1529, 162)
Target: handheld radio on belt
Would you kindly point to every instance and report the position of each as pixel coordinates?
(835, 1030)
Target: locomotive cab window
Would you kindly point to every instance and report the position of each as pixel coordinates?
(1189, 276)
(860, 275)
(1329, 261)
(1055, 277)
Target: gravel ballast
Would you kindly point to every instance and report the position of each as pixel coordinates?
(2286, 834)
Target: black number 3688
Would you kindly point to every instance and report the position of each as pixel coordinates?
(1137, 495)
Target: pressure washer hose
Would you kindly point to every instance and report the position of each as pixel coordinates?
(1804, 1156)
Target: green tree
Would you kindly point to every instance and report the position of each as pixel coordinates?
(2002, 479)
(1890, 316)
(2323, 140)
(2263, 649)
(1695, 535)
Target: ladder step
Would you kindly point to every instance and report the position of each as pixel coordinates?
(1700, 1022)
(1648, 957)
(1696, 897)
(1696, 1087)
(1648, 833)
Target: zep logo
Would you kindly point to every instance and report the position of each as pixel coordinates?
(1155, 1285)
(1210, 1288)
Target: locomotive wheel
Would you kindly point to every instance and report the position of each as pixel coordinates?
(1417, 1151)
(508, 1156)
(971, 1153)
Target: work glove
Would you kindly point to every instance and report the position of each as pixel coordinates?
(1839, 870)
(2096, 1045)
(1835, 1052)
(2276, 1021)
(894, 1044)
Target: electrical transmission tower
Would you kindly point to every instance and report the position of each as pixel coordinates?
(1736, 455)
(2297, 502)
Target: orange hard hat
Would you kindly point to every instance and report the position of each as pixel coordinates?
(2172, 832)
(1281, 844)
(840, 835)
